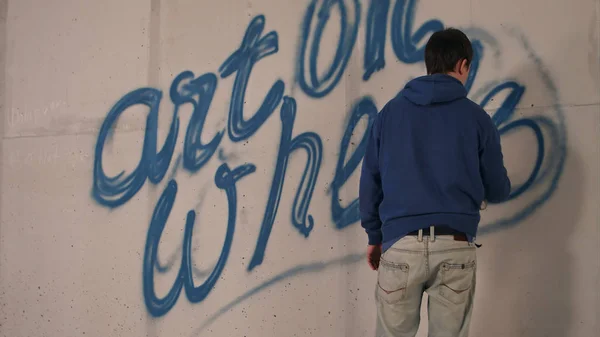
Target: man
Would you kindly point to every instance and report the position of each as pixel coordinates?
(433, 157)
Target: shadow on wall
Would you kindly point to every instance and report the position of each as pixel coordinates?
(529, 279)
(532, 269)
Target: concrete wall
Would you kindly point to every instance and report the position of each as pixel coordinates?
(189, 168)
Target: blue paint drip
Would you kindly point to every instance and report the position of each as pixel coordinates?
(321, 87)
(309, 141)
(404, 41)
(343, 217)
(199, 92)
(252, 49)
(377, 19)
(225, 179)
(115, 191)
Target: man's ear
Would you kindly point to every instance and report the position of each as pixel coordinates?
(462, 66)
(466, 66)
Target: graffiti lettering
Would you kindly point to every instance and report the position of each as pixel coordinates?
(311, 143)
(196, 154)
(343, 217)
(377, 19)
(321, 86)
(253, 48)
(225, 179)
(404, 41)
(115, 191)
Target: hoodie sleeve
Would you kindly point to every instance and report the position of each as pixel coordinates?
(370, 192)
(491, 162)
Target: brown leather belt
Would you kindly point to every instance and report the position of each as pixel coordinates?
(442, 230)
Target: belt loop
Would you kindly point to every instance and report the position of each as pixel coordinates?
(420, 237)
(432, 233)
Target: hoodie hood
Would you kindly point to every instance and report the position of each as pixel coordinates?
(430, 89)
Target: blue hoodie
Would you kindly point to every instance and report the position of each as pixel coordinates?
(432, 157)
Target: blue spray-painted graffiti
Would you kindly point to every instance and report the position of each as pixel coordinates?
(404, 41)
(343, 217)
(199, 91)
(225, 179)
(320, 87)
(309, 141)
(550, 159)
(117, 190)
(204, 87)
(253, 48)
(377, 19)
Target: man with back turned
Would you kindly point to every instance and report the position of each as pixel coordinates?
(433, 157)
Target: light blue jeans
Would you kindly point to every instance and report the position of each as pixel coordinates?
(438, 265)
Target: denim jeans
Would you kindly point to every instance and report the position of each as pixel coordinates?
(438, 265)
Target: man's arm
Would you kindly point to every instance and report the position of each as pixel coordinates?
(491, 162)
(370, 192)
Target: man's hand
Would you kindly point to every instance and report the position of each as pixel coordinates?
(373, 256)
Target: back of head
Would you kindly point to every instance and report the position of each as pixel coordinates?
(445, 49)
(448, 56)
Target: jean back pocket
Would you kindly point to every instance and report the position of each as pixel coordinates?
(392, 279)
(457, 280)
